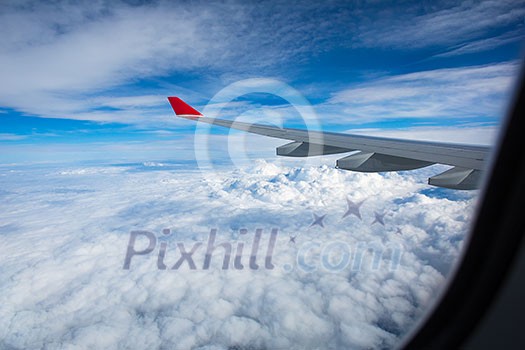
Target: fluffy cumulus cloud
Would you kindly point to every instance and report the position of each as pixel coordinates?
(358, 258)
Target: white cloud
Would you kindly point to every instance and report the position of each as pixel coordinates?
(484, 44)
(131, 101)
(104, 50)
(61, 57)
(63, 52)
(448, 93)
(450, 24)
(174, 148)
(11, 137)
(63, 240)
(56, 59)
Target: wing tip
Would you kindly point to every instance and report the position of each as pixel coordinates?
(181, 108)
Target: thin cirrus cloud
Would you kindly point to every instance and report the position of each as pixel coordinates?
(56, 69)
(66, 60)
(11, 137)
(451, 93)
(455, 22)
(484, 44)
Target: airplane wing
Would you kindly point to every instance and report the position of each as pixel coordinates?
(370, 154)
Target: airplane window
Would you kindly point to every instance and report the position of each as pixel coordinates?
(241, 175)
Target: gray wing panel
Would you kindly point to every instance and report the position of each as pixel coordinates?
(465, 156)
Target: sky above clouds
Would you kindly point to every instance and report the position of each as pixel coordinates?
(99, 72)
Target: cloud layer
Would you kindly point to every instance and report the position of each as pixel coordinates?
(65, 231)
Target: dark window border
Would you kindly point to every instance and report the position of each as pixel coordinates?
(493, 246)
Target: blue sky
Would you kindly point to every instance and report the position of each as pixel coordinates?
(89, 80)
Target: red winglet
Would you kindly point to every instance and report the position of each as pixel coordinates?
(182, 108)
